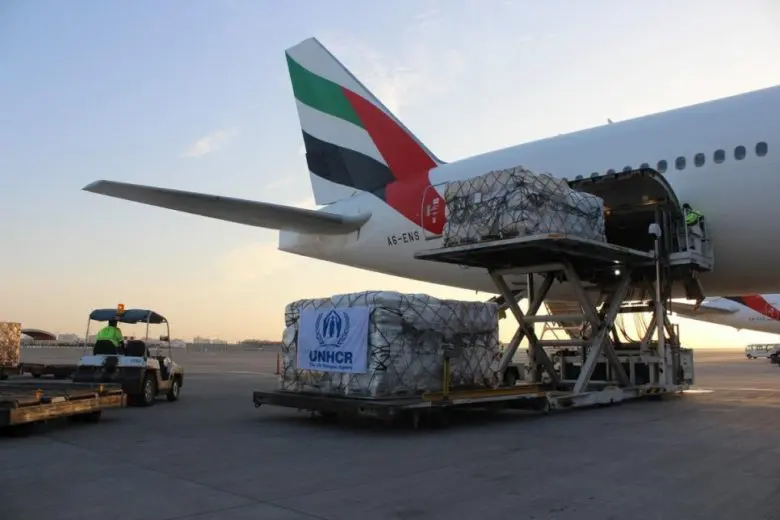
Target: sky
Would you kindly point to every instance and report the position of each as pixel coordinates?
(195, 95)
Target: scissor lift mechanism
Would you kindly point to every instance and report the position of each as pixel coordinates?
(614, 269)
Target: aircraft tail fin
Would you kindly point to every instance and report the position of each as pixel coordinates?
(353, 142)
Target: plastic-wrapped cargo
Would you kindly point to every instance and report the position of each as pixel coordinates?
(517, 202)
(10, 343)
(378, 344)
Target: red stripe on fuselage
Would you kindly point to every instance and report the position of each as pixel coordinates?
(411, 194)
(759, 304)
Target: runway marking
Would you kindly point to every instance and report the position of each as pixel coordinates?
(729, 389)
(230, 372)
(747, 389)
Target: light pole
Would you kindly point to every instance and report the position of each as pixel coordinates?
(655, 230)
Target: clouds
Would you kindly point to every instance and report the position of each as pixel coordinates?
(421, 68)
(210, 143)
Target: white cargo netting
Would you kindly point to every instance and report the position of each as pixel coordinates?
(402, 343)
(517, 202)
(10, 342)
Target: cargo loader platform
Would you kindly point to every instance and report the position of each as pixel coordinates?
(596, 261)
(647, 255)
(24, 402)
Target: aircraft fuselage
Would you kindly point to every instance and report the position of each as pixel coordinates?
(720, 156)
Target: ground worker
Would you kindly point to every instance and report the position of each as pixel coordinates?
(110, 333)
(692, 216)
(693, 220)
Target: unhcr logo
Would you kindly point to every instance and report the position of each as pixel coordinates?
(332, 329)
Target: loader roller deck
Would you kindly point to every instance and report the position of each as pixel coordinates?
(594, 260)
(23, 402)
(529, 397)
(521, 397)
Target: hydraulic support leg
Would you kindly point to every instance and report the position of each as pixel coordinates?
(601, 327)
(536, 353)
(597, 322)
(657, 357)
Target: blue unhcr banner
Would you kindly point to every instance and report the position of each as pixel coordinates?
(334, 340)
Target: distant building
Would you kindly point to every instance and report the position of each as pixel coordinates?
(39, 335)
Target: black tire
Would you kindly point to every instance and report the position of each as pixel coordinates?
(148, 390)
(174, 390)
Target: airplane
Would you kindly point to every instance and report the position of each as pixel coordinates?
(759, 312)
(372, 176)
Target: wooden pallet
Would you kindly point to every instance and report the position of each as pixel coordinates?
(24, 402)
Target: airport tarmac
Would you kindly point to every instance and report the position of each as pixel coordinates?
(709, 455)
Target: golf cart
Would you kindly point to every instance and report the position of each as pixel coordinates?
(144, 369)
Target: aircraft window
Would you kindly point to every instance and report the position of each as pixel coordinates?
(679, 163)
(698, 159)
(761, 149)
(719, 156)
(739, 152)
(661, 166)
(644, 165)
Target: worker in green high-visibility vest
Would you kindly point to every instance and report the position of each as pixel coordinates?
(110, 333)
(694, 222)
(692, 216)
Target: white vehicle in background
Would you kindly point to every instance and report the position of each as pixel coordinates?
(770, 351)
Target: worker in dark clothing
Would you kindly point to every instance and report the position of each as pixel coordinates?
(110, 333)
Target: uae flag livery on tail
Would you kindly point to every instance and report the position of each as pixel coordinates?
(353, 143)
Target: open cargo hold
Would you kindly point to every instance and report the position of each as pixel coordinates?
(379, 344)
(516, 202)
(10, 344)
(28, 401)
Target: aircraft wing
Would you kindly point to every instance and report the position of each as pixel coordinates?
(250, 213)
(690, 310)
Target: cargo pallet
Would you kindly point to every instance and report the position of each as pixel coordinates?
(25, 402)
(652, 255)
